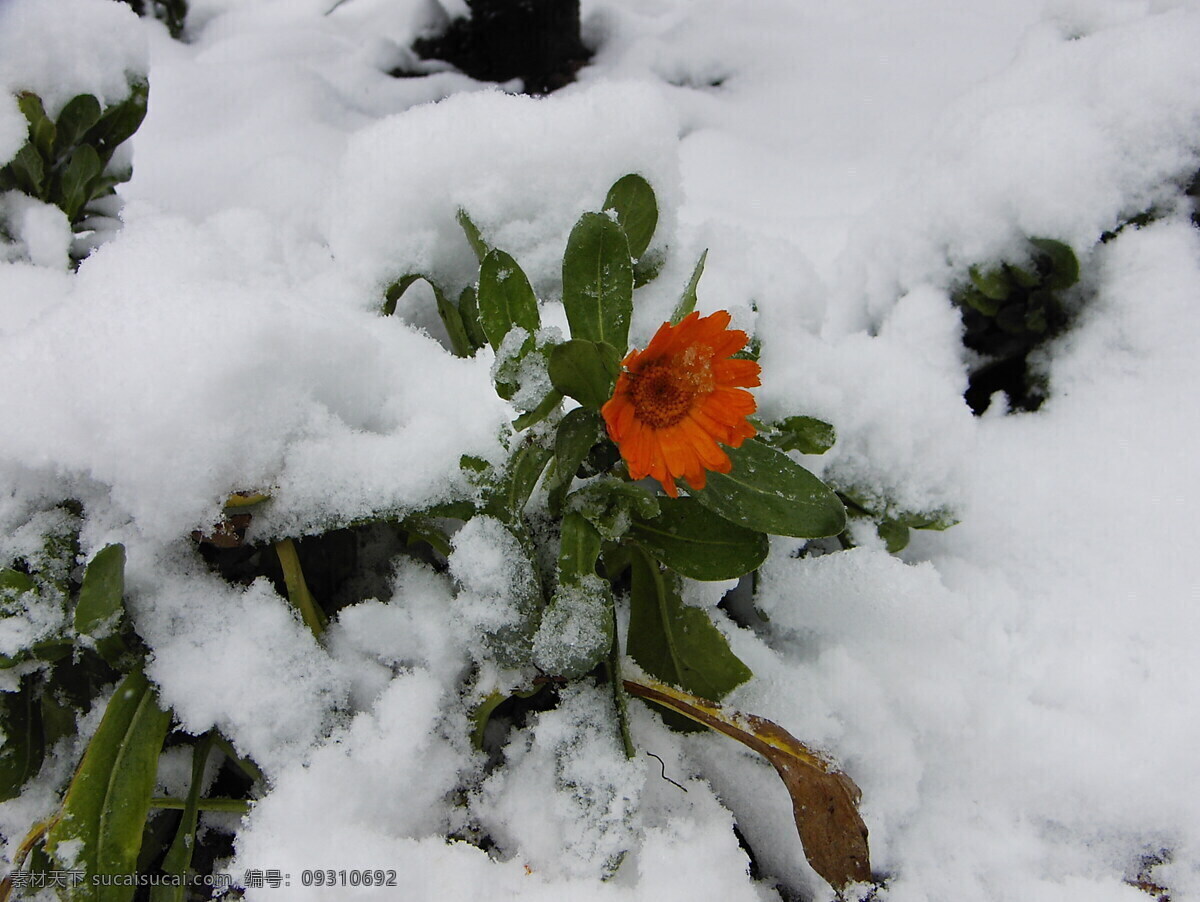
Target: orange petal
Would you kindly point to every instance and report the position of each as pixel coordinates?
(736, 372)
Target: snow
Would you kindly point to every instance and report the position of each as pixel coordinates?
(1014, 696)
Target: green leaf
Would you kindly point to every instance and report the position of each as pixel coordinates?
(687, 301)
(1061, 262)
(598, 281)
(14, 583)
(544, 408)
(505, 298)
(77, 118)
(119, 122)
(647, 267)
(104, 811)
(41, 126)
(83, 169)
(506, 502)
(632, 199)
(579, 548)
(694, 541)
(460, 343)
(808, 435)
(675, 642)
(577, 432)
(585, 370)
(468, 307)
(576, 630)
(101, 596)
(894, 535)
(769, 492)
(977, 300)
(482, 713)
(611, 504)
(24, 743)
(990, 282)
(474, 237)
(178, 859)
(1023, 277)
(28, 172)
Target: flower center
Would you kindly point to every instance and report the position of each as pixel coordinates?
(663, 391)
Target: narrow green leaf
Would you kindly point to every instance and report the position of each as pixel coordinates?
(769, 492)
(598, 281)
(585, 370)
(24, 743)
(545, 407)
(468, 307)
(632, 199)
(577, 432)
(41, 126)
(1061, 262)
(395, 291)
(104, 812)
(83, 169)
(451, 318)
(101, 596)
(687, 301)
(474, 236)
(692, 540)
(178, 859)
(77, 118)
(505, 298)
(482, 713)
(676, 642)
(808, 435)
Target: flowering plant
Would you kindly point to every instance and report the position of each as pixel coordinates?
(576, 490)
(627, 473)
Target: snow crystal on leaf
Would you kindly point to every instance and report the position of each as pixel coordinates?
(241, 660)
(497, 599)
(566, 800)
(576, 628)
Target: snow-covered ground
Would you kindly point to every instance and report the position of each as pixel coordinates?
(1016, 696)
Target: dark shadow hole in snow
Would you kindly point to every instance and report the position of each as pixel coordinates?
(538, 41)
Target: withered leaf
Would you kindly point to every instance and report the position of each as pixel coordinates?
(824, 800)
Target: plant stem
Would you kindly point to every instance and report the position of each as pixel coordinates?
(620, 700)
(240, 806)
(297, 588)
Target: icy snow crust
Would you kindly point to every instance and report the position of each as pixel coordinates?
(1015, 696)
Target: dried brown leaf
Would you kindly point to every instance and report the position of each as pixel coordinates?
(824, 800)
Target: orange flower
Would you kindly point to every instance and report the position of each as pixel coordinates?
(678, 398)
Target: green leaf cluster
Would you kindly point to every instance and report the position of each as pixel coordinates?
(68, 161)
(593, 535)
(1010, 309)
(105, 825)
